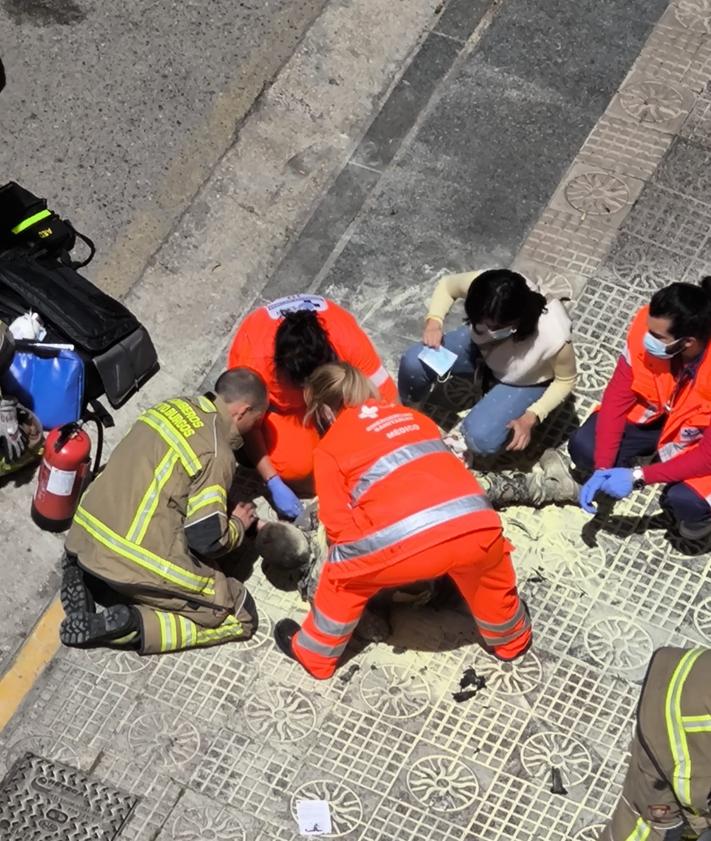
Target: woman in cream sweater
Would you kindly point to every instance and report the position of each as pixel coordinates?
(523, 339)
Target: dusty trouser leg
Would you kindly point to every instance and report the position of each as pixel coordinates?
(549, 482)
(647, 809)
(487, 581)
(162, 631)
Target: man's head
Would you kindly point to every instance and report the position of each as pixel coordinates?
(300, 347)
(245, 395)
(679, 320)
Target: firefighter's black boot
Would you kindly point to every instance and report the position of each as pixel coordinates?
(87, 629)
(74, 594)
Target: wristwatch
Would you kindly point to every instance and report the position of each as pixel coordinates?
(638, 478)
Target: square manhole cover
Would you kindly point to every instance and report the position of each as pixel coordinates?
(48, 801)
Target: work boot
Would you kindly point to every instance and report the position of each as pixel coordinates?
(284, 632)
(74, 594)
(549, 481)
(84, 629)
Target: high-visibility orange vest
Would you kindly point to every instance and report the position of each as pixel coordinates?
(253, 347)
(389, 487)
(688, 411)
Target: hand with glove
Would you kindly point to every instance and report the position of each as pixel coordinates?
(287, 504)
(616, 482)
(13, 438)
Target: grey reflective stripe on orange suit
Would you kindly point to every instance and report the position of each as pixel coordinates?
(397, 458)
(409, 526)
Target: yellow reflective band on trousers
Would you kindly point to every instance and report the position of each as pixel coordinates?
(178, 631)
(676, 730)
(207, 496)
(641, 831)
(144, 558)
(30, 221)
(174, 439)
(147, 507)
(231, 628)
(168, 631)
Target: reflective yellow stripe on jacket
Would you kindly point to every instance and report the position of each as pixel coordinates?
(207, 496)
(640, 832)
(144, 558)
(173, 437)
(147, 507)
(678, 726)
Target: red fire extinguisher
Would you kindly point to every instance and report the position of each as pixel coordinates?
(64, 473)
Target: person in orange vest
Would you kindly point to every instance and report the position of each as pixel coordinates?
(284, 342)
(397, 507)
(658, 402)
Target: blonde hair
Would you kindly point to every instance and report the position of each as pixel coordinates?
(337, 385)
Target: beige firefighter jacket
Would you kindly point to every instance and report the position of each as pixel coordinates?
(151, 524)
(668, 780)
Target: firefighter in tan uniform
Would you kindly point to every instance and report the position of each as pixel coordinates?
(668, 783)
(154, 522)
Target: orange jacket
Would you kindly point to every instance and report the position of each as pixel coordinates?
(688, 412)
(253, 347)
(388, 488)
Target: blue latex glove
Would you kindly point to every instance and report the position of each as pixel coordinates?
(590, 489)
(287, 503)
(618, 482)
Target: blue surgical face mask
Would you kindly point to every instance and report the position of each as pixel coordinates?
(656, 347)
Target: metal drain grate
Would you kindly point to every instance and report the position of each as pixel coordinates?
(42, 800)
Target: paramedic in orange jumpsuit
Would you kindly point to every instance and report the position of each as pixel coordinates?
(397, 507)
(284, 342)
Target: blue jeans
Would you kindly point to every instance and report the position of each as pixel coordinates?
(484, 428)
(639, 440)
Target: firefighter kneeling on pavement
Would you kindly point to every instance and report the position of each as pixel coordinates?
(667, 790)
(152, 525)
(398, 507)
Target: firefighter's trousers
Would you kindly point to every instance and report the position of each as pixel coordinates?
(647, 809)
(479, 564)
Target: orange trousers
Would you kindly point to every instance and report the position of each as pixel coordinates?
(290, 445)
(480, 565)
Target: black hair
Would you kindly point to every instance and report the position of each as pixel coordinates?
(300, 347)
(688, 308)
(500, 297)
(242, 384)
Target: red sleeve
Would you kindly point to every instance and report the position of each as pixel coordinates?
(333, 499)
(617, 399)
(692, 464)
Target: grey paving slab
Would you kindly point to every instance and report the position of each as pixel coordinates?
(460, 17)
(587, 66)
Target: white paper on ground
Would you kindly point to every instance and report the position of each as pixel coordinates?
(314, 817)
(439, 360)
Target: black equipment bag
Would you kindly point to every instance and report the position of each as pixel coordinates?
(117, 349)
(25, 221)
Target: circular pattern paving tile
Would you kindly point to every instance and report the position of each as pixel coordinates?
(124, 662)
(652, 102)
(153, 735)
(590, 833)
(634, 266)
(442, 784)
(395, 692)
(702, 618)
(346, 808)
(516, 678)
(595, 365)
(284, 714)
(544, 751)
(620, 643)
(202, 825)
(597, 193)
(694, 14)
